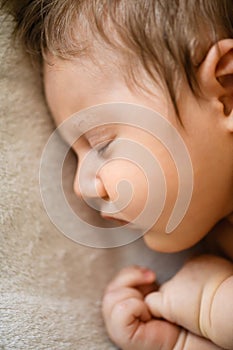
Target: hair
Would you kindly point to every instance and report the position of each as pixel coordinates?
(167, 38)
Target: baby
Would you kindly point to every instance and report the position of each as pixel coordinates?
(175, 57)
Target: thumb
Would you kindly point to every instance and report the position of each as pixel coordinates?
(155, 303)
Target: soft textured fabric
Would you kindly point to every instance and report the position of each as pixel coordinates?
(51, 287)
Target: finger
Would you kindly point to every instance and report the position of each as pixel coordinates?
(116, 296)
(137, 309)
(132, 277)
(158, 335)
(146, 289)
(150, 335)
(156, 304)
(128, 311)
(125, 319)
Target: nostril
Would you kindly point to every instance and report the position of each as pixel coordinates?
(90, 185)
(100, 189)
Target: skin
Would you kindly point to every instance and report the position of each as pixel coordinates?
(131, 308)
(135, 316)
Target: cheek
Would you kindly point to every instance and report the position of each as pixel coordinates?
(124, 172)
(134, 186)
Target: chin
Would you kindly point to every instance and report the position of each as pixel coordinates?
(166, 243)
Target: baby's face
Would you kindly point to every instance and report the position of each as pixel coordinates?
(71, 87)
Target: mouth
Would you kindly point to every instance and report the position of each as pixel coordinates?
(115, 220)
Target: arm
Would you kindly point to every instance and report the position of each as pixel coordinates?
(130, 324)
(199, 298)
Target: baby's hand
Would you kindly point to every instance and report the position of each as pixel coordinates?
(199, 298)
(127, 317)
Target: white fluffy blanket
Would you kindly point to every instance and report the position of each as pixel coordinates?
(50, 287)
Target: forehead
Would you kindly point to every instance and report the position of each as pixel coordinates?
(71, 86)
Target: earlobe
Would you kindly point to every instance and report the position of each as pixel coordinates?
(215, 77)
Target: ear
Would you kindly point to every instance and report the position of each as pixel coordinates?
(215, 77)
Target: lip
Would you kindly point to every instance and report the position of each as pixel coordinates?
(119, 221)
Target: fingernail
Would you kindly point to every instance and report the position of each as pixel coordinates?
(148, 273)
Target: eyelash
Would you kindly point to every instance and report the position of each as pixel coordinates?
(103, 148)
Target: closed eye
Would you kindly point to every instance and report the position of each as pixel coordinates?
(102, 147)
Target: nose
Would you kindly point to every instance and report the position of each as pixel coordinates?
(89, 185)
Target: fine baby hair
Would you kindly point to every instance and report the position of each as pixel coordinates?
(149, 38)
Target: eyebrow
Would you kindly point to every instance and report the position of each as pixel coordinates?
(78, 129)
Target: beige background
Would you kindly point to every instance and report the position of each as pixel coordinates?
(50, 287)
